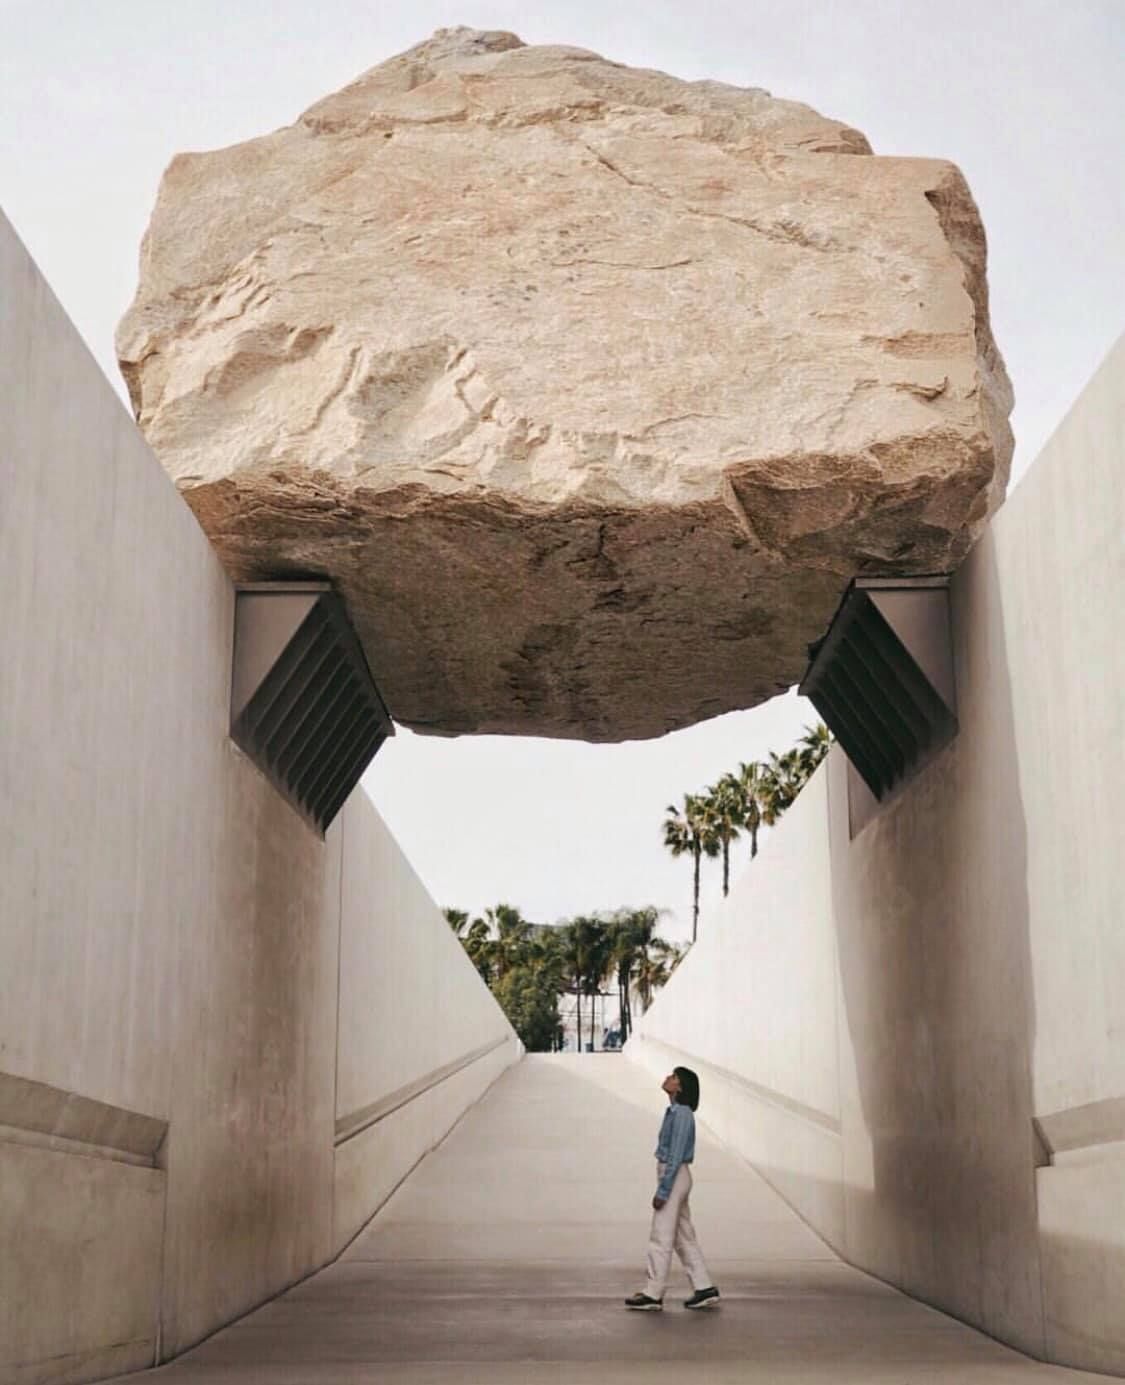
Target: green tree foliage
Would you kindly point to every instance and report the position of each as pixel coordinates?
(527, 967)
(744, 800)
(586, 952)
(481, 947)
(689, 830)
(512, 934)
(621, 948)
(747, 784)
(457, 919)
(654, 969)
(642, 962)
(522, 967)
(723, 808)
(813, 747)
(529, 996)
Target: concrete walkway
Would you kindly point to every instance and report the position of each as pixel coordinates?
(505, 1256)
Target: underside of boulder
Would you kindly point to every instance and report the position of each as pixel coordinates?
(589, 389)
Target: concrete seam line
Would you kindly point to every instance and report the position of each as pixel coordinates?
(63, 1120)
(162, 1279)
(347, 1127)
(755, 1089)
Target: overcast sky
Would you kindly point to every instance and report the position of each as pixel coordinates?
(1027, 96)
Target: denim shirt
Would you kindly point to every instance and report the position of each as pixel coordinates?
(675, 1146)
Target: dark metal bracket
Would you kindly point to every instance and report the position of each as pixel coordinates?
(304, 706)
(882, 677)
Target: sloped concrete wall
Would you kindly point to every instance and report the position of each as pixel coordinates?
(420, 1036)
(195, 989)
(918, 1034)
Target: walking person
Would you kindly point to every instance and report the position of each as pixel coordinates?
(671, 1213)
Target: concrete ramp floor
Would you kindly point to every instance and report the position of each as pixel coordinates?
(504, 1258)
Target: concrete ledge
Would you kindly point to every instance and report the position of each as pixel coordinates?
(347, 1127)
(372, 1162)
(754, 1089)
(35, 1113)
(1083, 1127)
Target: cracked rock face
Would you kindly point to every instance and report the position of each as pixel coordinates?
(590, 388)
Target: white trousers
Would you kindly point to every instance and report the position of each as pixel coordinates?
(672, 1230)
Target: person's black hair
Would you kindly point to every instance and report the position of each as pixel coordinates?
(688, 1095)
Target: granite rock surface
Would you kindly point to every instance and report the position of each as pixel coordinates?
(590, 388)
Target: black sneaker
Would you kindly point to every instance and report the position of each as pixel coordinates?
(643, 1304)
(703, 1298)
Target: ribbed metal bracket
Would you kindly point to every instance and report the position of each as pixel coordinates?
(882, 677)
(304, 706)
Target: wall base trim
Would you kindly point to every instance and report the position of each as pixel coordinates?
(36, 1113)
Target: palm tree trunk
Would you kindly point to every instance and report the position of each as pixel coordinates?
(695, 895)
(578, 1023)
(593, 1012)
(753, 840)
(726, 866)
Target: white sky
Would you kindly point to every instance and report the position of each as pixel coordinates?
(1027, 96)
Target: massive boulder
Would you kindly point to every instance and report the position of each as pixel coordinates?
(590, 388)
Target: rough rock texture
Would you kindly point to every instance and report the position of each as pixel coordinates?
(589, 387)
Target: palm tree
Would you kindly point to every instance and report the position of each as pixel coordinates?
(481, 947)
(783, 780)
(512, 932)
(749, 783)
(622, 957)
(457, 919)
(724, 811)
(686, 830)
(545, 955)
(598, 967)
(580, 945)
(570, 954)
(625, 931)
(784, 776)
(636, 942)
(813, 747)
(630, 933)
(654, 969)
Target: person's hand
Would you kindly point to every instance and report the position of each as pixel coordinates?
(658, 1202)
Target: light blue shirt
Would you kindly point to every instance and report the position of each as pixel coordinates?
(675, 1146)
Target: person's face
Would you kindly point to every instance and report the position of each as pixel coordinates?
(671, 1085)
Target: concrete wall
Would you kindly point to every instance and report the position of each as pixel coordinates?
(918, 1034)
(223, 1039)
(412, 1009)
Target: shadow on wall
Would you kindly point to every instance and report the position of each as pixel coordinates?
(937, 1022)
(1082, 1287)
(1083, 1267)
